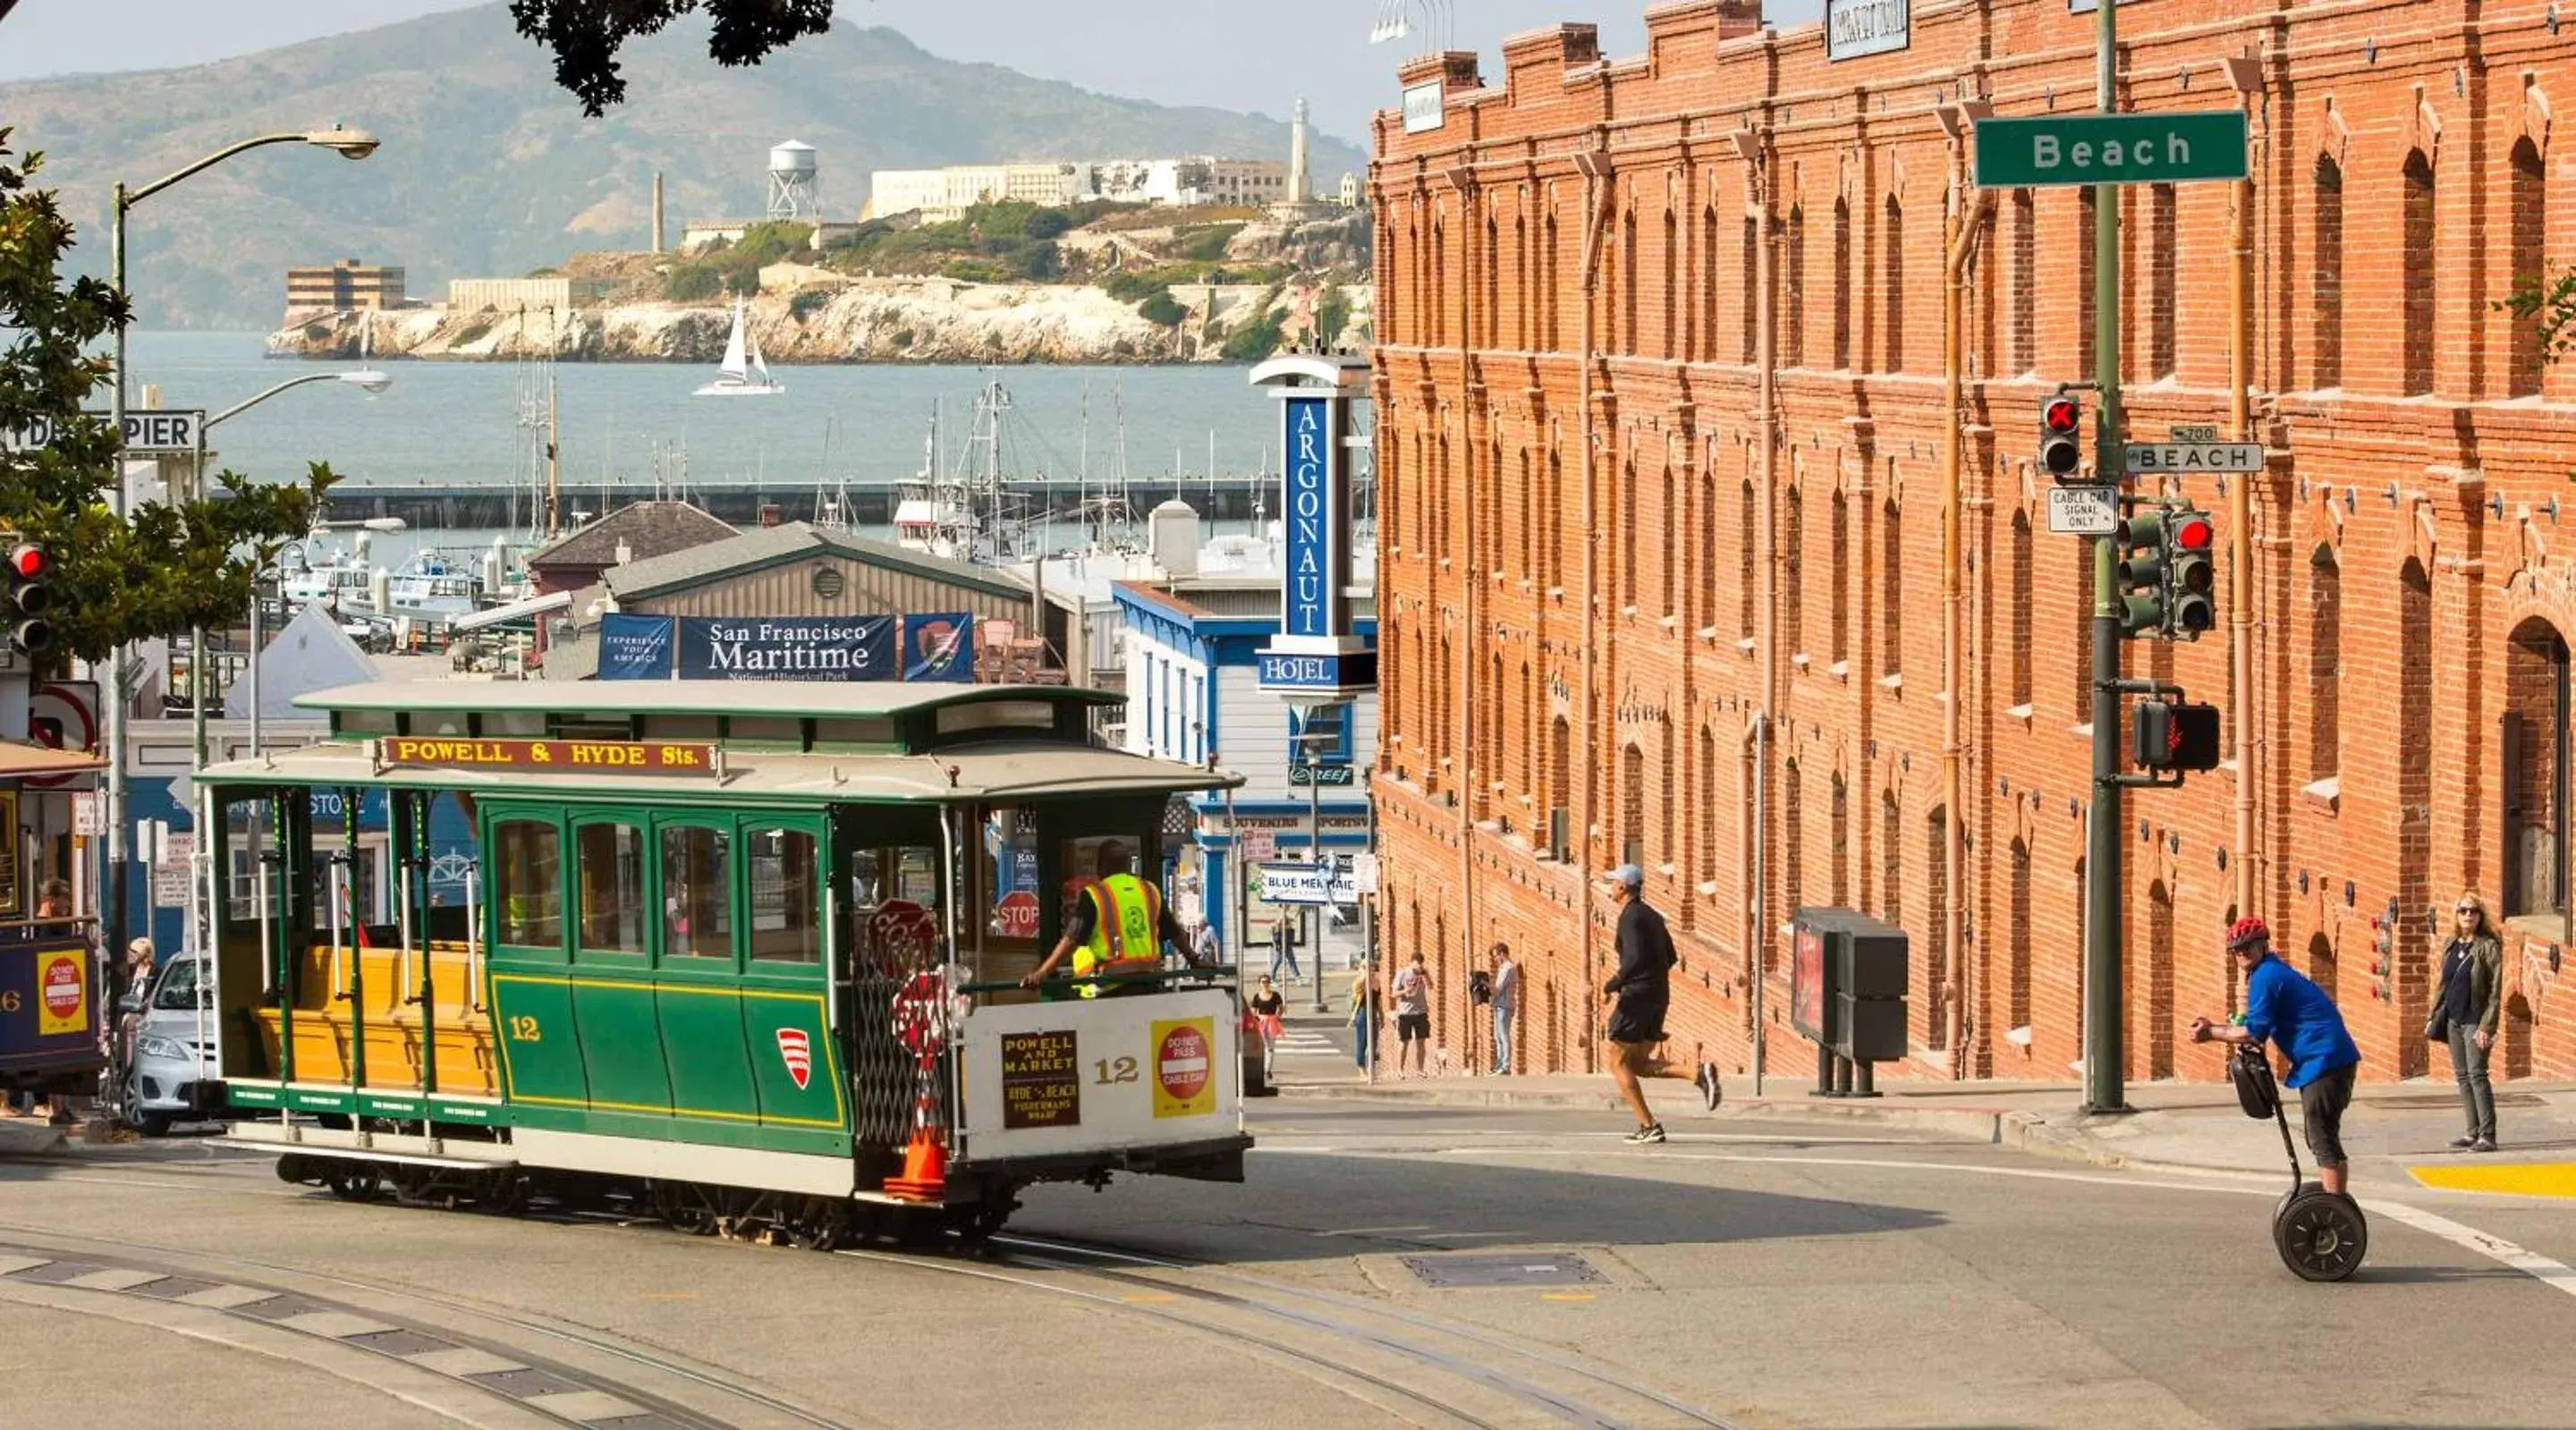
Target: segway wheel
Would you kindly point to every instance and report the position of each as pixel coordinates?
(2321, 1236)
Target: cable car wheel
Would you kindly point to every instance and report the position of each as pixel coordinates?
(820, 1224)
(354, 1181)
(685, 1207)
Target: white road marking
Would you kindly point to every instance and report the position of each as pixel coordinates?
(2554, 1274)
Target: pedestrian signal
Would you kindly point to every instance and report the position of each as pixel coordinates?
(2061, 436)
(29, 596)
(2174, 735)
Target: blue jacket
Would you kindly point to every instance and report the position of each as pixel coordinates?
(2286, 1010)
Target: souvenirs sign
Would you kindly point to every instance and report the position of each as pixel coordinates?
(587, 757)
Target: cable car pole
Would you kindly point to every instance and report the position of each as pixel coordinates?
(2102, 973)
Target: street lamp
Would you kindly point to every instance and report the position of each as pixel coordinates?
(348, 144)
(367, 379)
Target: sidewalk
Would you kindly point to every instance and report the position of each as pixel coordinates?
(2183, 1126)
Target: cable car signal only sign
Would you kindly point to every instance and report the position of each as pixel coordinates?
(587, 757)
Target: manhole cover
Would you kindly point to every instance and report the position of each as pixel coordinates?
(1470, 1270)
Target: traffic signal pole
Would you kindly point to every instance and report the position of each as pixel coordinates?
(2103, 1053)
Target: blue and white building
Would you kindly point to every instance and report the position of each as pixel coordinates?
(1194, 694)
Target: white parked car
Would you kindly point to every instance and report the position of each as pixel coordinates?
(175, 1069)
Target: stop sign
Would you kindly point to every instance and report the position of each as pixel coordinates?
(1016, 916)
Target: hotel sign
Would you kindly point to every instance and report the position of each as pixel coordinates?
(580, 757)
(1854, 28)
(1316, 657)
(1314, 594)
(1423, 108)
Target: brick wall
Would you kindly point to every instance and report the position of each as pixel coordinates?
(1586, 640)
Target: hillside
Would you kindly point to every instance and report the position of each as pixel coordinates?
(489, 170)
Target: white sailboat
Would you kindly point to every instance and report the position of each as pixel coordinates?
(741, 361)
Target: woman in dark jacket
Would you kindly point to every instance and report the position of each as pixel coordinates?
(2467, 1005)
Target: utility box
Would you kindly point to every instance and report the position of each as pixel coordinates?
(1847, 985)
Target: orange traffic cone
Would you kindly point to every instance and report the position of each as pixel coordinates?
(925, 1169)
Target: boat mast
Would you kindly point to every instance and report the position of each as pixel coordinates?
(554, 460)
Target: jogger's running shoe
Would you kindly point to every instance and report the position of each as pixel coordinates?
(1651, 1132)
(1711, 1090)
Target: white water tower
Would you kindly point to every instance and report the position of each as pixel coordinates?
(794, 186)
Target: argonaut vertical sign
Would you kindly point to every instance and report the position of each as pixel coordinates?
(1311, 535)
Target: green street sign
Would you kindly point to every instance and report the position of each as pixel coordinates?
(2111, 149)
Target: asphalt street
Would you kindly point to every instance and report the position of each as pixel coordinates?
(1382, 1266)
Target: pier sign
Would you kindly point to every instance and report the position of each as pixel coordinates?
(2052, 149)
(146, 433)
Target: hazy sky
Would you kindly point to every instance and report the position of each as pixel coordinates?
(1229, 53)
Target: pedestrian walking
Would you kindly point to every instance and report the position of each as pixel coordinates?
(2466, 1014)
(1267, 1007)
(1363, 1018)
(1413, 1019)
(1643, 988)
(1207, 950)
(1283, 946)
(2294, 1015)
(1507, 1005)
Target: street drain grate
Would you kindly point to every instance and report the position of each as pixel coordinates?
(1487, 1270)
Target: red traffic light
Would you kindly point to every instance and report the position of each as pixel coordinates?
(2194, 533)
(27, 562)
(2062, 415)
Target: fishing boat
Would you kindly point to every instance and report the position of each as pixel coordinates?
(744, 373)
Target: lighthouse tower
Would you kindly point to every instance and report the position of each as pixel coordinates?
(1299, 190)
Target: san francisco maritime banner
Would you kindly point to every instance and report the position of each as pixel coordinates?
(937, 647)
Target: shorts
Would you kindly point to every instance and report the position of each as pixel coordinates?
(1637, 1023)
(2321, 1105)
(1413, 1027)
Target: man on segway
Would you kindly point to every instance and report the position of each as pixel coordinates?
(2294, 1015)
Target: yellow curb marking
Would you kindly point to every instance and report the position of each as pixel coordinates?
(1565, 1295)
(2510, 1179)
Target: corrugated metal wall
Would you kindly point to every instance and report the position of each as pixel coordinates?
(789, 590)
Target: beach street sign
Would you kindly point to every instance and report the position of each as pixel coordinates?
(2111, 148)
(2156, 459)
(2089, 510)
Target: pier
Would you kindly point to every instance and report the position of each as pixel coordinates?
(499, 507)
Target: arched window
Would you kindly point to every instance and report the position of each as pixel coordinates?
(1522, 298)
(2321, 963)
(1891, 860)
(1793, 613)
(1744, 544)
(1895, 285)
(2025, 283)
(1841, 847)
(1841, 633)
(1529, 519)
(2021, 583)
(1842, 283)
(1670, 565)
(2325, 665)
(2083, 624)
(1560, 788)
(1527, 736)
(1708, 284)
(2084, 219)
(1632, 805)
(1548, 289)
(2530, 201)
(1669, 790)
(1936, 923)
(1707, 805)
(1436, 291)
(1704, 560)
(2160, 981)
(1551, 546)
(1630, 280)
(2325, 275)
(1628, 531)
(2421, 274)
(2017, 974)
(1493, 279)
(1793, 840)
(1752, 287)
(1672, 263)
(1793, 290)
(1891, 616)
(2415, 659)
(2163, 312)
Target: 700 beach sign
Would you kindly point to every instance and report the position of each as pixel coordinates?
(1854, 28)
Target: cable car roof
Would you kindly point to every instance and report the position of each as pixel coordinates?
(987, 771)
(818, 699)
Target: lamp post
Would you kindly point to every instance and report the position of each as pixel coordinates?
(348, 144)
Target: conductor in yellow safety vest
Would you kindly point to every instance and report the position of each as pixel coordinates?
(1119, 925)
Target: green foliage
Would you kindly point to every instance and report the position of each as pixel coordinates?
(474, 332)
(2551, 303)
(742, 282)
(585, 36)
(1255, 340)
(1046, 224)
(169, 567)
(1162, 308)
(974, 270)
(807, 302)
(693, 283)
(1205, 245)
(904, 338)
(992, 243)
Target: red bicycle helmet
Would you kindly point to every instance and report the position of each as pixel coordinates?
(2248, 931)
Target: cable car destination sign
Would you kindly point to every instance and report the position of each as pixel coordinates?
(584, 757)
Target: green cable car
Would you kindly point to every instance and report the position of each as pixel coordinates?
(746, 954)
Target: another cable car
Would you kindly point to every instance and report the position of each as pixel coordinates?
(747, 953)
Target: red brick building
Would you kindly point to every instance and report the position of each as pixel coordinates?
(1577, 653)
